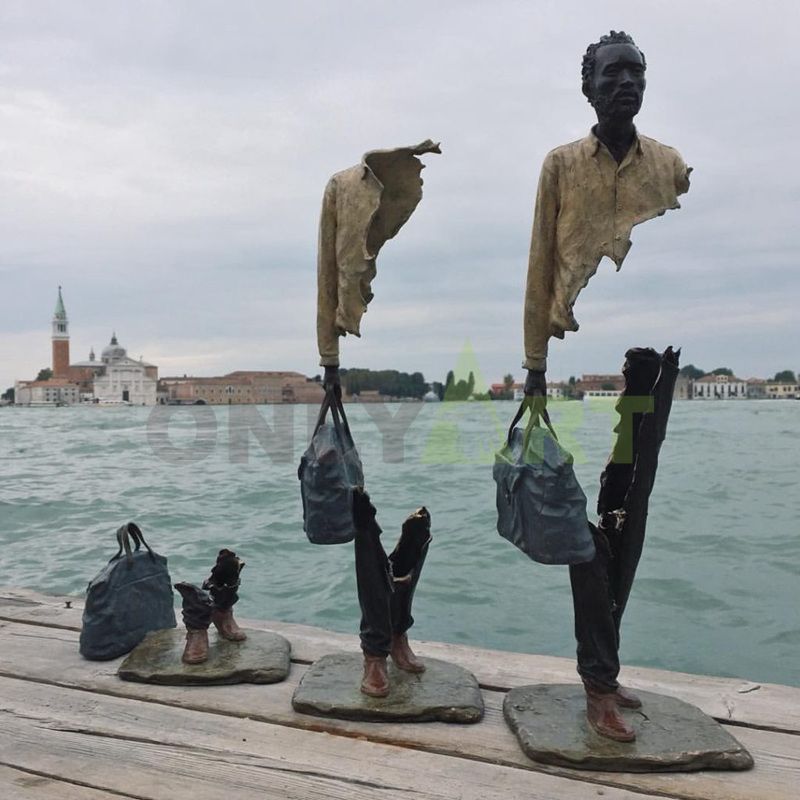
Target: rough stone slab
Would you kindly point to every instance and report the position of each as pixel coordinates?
(443, 693)
(262, 658)
(549, 721)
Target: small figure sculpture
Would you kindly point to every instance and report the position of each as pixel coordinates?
(591, 193)
(386, 588)
(212, 603)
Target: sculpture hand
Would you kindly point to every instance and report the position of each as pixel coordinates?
(536, 390)
(332, 381)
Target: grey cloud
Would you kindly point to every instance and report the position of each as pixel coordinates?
(165, 163)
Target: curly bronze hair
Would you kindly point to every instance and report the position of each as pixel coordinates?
(590, 57)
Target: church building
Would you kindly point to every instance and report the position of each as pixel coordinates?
(115, 378)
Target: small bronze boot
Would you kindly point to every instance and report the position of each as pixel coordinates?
(375, 682)
(403, 656)
(602, 713)
(627, 699)
(227, 626)
(406, 564)
(197, 609)
(196, 650)
(223, 584)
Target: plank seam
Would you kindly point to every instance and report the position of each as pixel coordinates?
(82, 784)
(318, 727)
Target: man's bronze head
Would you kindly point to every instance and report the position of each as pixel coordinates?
(613, 76)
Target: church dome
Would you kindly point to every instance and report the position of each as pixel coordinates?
(113, 351)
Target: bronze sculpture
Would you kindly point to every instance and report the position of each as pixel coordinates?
(213, 603)
(386, 588)
(591, 193)
(364, 206)
(172, 658)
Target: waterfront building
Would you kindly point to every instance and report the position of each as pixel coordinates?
(756, 388)
(54, 392)
(777, 390)
(683, 388)
(241, 387)
(121, 379)
(719, 387)
(591, 385)
(555, 391)
(115, 378)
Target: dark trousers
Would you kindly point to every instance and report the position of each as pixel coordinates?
(386, 586)
(601, 587)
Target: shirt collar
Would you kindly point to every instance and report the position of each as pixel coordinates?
(594, 144)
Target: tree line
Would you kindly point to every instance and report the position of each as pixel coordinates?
(389, 382)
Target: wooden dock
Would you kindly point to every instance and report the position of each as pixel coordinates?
(71, 730)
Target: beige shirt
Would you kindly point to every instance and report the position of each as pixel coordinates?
(363, 206)
(586, 206)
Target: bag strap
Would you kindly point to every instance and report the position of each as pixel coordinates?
(527, 403)
(340, 418)
(124, 534)
(138, 537)
(323, 410)
(336, 407)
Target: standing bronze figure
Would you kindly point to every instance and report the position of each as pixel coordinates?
(591, 193)
(363, 207)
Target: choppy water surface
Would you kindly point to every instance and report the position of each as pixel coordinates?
(717, 590)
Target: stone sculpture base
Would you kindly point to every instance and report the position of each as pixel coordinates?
(443, 693)
(262, 658)
(671, 736)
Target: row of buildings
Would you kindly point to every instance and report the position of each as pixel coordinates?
(113, 378)
(117, 379)
(708, 387)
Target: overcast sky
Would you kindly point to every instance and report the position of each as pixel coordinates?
(165, 161)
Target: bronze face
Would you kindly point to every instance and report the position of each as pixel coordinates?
(618, 82)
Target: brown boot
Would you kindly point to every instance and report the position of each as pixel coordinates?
(226, 625)
(403, 656)
(376, 680)
(196, 650)
(602, 713)
(627, 699)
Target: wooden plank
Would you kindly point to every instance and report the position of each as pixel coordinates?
(50, 655)
(18, 785)
(159, 752)
(769, 706)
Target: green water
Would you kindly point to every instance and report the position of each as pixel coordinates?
(717, 590)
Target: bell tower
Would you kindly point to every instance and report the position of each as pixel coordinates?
(60, 339)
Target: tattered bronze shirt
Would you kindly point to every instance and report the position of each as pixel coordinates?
(362, 207)
(586, 206)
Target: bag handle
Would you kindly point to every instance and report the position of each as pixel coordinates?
(124, 534)
(334, 403)
(323, 410)
(527, 403)
(340, 418)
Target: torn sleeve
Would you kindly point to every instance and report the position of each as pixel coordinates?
(327, 281)
(541, 269)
